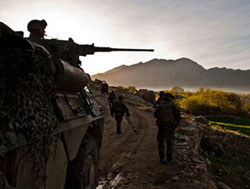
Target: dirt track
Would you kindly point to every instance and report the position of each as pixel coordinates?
(130, 160)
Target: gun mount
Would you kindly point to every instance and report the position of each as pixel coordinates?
(70, 51)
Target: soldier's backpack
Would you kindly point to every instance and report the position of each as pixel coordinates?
(165, 112)
(118, 108)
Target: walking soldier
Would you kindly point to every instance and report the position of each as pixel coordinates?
(119, 109)
(168, 118)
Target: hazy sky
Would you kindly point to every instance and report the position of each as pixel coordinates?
(214, 33)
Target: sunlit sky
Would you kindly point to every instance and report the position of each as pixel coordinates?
(213, 33)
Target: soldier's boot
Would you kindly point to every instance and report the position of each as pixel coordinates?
(119, 131)
(169, 157)
(162, 158)
(160, 141)
(118, 127)
(169, 150)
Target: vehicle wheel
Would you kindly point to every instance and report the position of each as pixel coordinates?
(83, 170)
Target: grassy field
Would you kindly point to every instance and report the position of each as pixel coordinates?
(241, 125)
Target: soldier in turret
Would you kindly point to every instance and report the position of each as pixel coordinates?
(119, 109)
(168, 118)
(37, 28)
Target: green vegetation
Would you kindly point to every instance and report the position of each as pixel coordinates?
(240, 125)
(242, 130)
(231, 169)
(211, 102)
(242, 122)
(207, 101)
(130, 89)
(217, 103)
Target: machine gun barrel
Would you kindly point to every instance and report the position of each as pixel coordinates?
(108, 49)
(84, 50)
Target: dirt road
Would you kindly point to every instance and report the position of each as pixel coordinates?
(130, 160)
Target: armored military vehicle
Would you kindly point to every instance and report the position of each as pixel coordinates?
(51, 126)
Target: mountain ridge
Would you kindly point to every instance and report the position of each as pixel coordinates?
(184, 72)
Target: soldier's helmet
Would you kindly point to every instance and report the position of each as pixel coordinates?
(168, 97)
(36, 25)
(121, 98)
(162, 93)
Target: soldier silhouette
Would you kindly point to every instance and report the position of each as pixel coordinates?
(119, 109)
(168, 118)
(111, 99)
(105, 88)
(159, 99)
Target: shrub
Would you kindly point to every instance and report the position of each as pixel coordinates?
(246, 107)
(207, 101)
(130, 89)
(177, 90)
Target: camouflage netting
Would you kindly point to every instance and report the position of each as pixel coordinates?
(27, 91)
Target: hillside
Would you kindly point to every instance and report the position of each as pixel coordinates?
(160, 73)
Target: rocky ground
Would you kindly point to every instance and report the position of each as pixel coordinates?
(131, 160)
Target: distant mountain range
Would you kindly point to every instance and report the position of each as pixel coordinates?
(183, 72)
